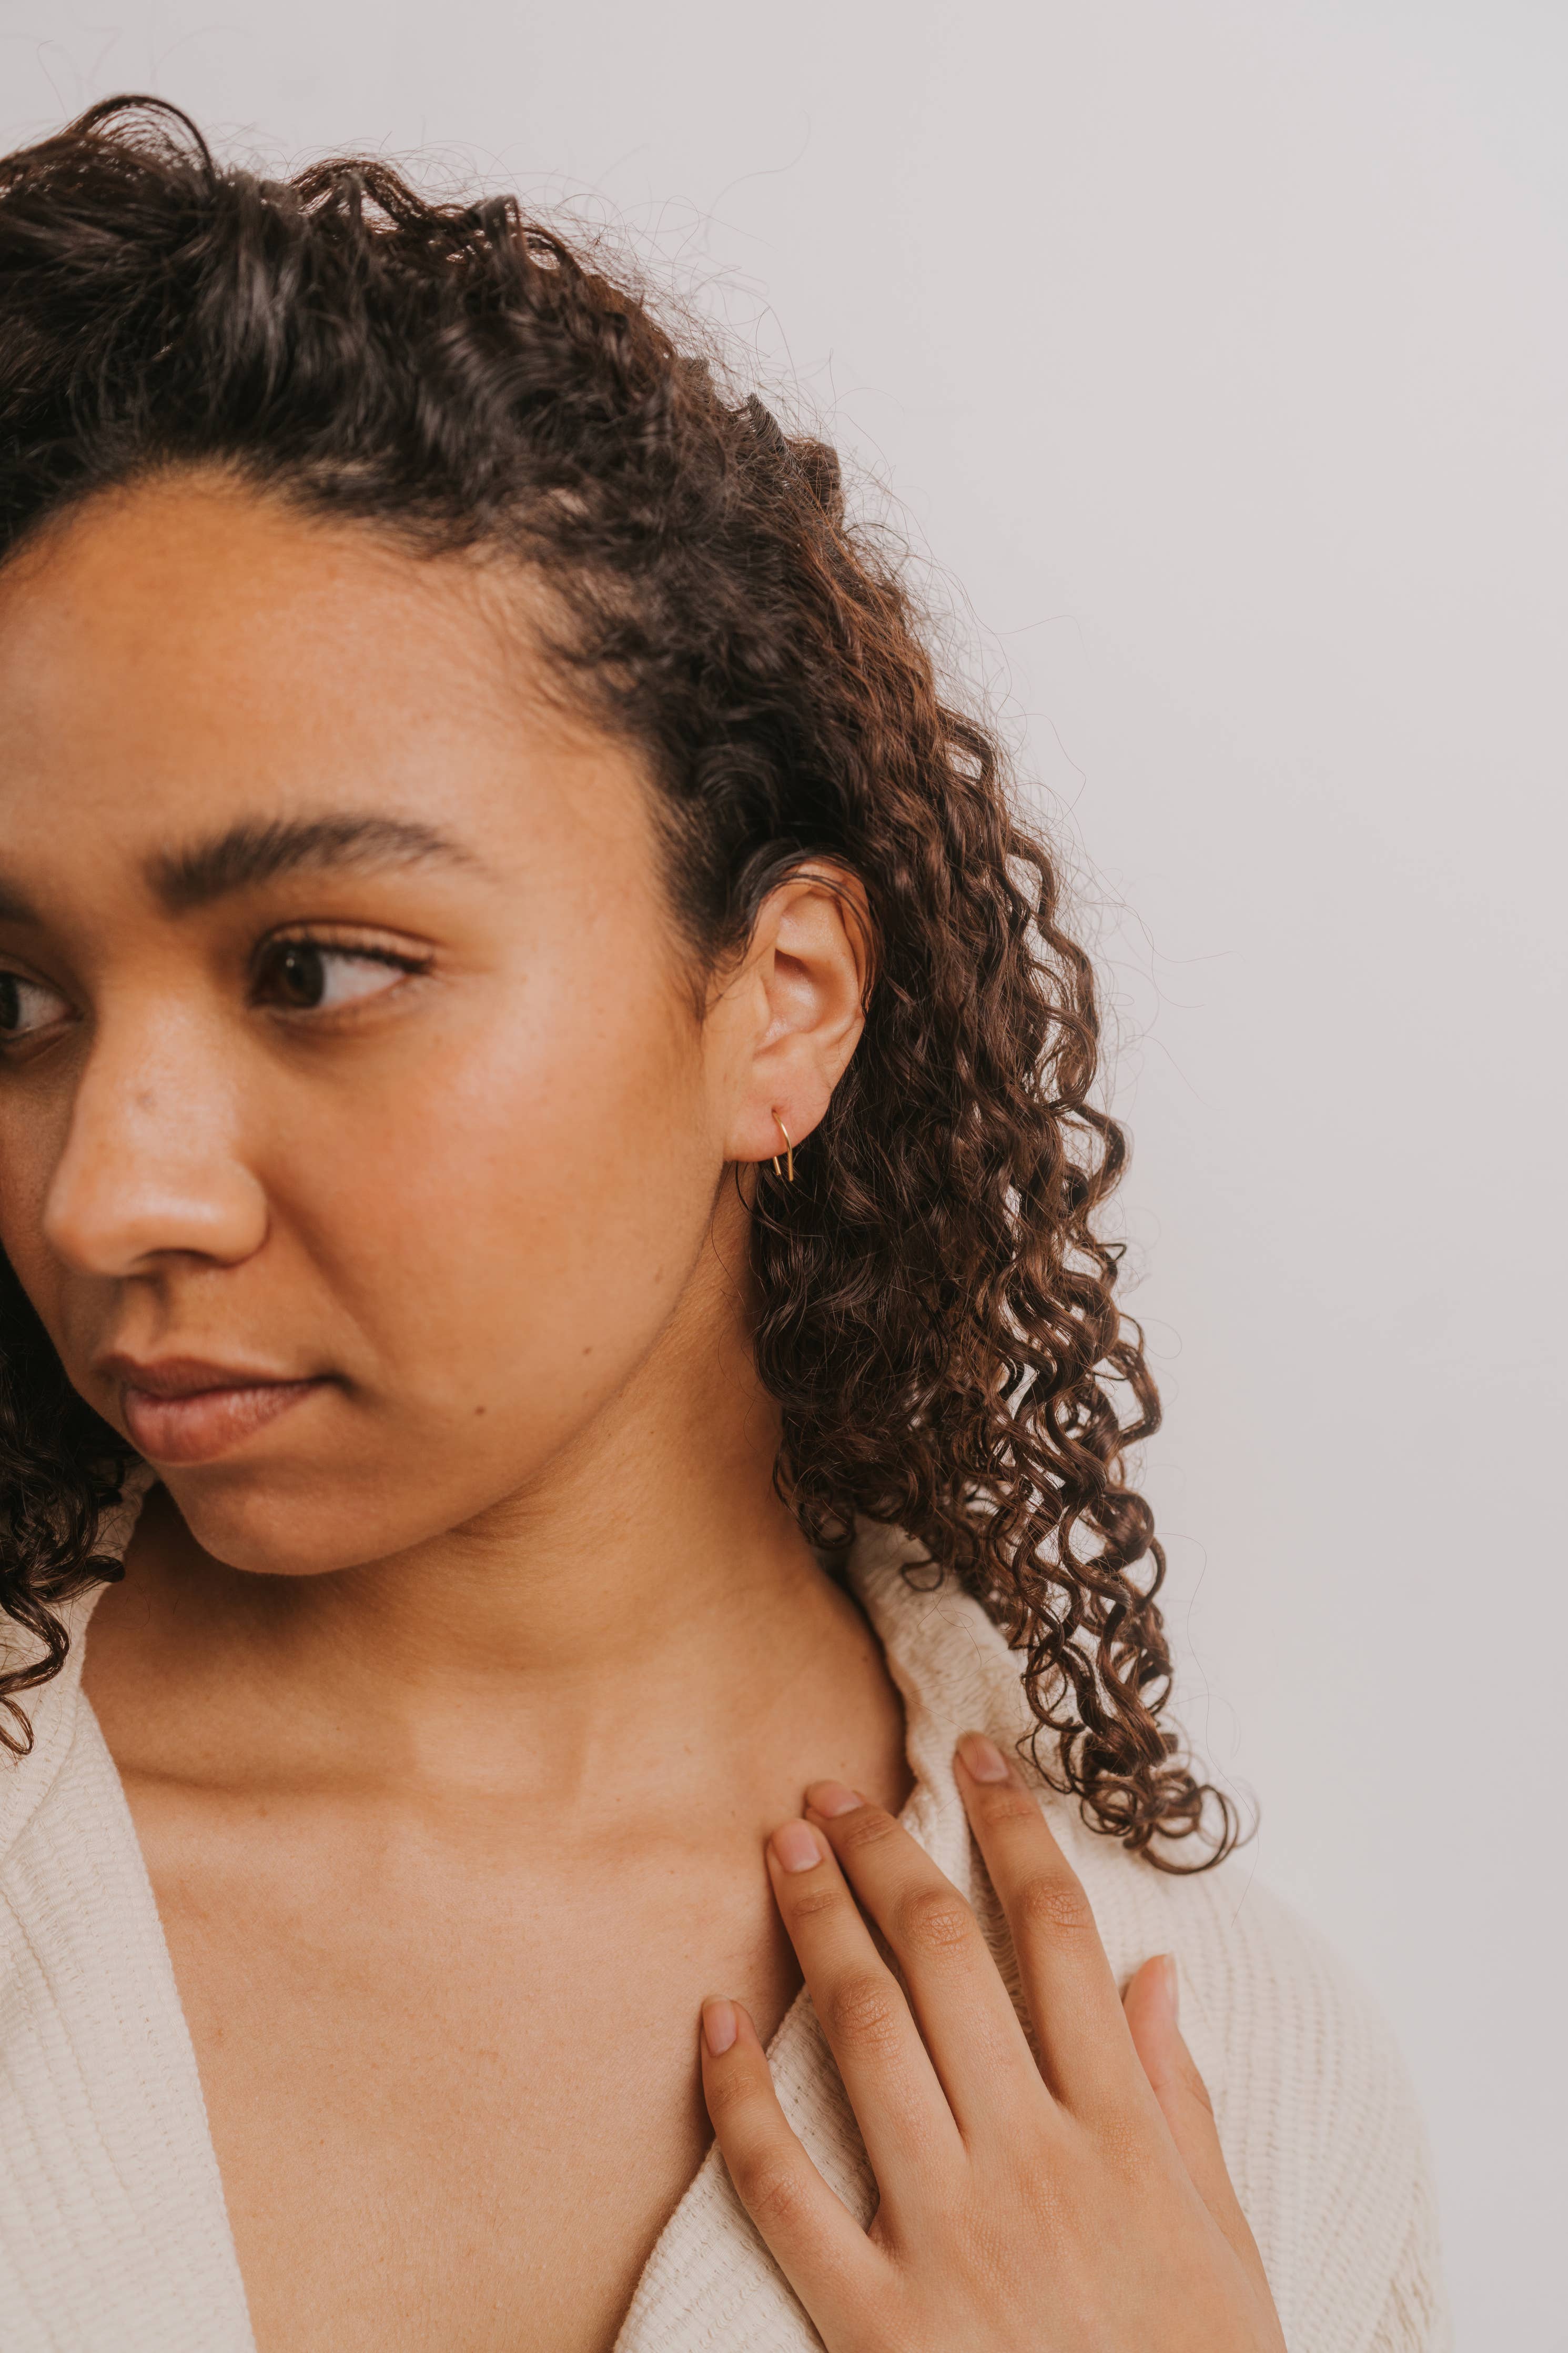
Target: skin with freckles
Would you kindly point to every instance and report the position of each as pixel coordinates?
(381, 1167)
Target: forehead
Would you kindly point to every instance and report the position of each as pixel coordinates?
(187, 651)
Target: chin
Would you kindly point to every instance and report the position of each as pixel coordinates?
(296, 1519)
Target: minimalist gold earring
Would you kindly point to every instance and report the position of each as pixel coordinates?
(789, 1169)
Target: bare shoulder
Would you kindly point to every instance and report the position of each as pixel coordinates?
(1316, 2112)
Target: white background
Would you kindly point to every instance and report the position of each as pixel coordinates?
(1219, 353)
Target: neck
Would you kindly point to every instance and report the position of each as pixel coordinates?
(645, 1606)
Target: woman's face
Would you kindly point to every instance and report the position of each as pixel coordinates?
(351, 1042)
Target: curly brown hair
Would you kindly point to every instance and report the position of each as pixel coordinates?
(938, 1320)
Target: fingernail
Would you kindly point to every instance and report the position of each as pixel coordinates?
(717, 2026)
(1173, 1985)
(832, 1799)
(984, 1759)
(797, 1846)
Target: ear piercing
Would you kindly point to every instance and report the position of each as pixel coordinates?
(787, 1171)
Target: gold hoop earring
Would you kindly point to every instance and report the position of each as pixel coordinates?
(788, 1170)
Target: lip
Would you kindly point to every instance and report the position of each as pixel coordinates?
(187, 1410)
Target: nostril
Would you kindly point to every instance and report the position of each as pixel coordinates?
(114, 1214)
(151, 1165)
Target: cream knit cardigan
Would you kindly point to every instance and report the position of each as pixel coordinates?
(114, 2235)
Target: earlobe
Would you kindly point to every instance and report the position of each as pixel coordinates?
(809, 961)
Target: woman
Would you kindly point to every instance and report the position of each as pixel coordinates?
(585, 1687)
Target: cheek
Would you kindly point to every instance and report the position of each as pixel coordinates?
(487, 1246)
(508, 1226)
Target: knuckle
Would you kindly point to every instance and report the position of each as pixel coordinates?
(868, 1826)
(812, 1903)
(769, 2189)
(1005, 1803)
(934, 1920)
(727, 2092)
(1053, 1904)
(863, 2008)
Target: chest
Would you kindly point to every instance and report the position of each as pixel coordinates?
(453, 2093)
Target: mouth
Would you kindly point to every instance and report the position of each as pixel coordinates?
(182, 1409)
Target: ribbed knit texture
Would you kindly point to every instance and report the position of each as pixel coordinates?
(113, 2237)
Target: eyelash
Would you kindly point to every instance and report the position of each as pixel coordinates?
(323, 945)
(319, 944)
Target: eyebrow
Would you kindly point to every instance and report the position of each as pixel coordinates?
(258, 850)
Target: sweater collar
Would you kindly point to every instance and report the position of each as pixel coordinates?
(710, 2281)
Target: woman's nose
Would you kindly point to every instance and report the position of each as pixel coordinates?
(152, 1165)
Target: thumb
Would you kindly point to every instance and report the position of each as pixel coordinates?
(1150, 2006)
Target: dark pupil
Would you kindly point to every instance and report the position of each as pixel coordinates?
(302, 977)
(10, 1002)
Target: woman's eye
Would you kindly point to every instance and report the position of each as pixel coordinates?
(308, 978)
(26, 1008)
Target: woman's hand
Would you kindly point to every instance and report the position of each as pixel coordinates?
(1076, 2209)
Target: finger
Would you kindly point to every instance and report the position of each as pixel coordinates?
(816, 2241)
(904, 2118)
(1151, 2011)
(1084, 2046)
(964, 2011)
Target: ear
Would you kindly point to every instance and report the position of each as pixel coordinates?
(792, 1015)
